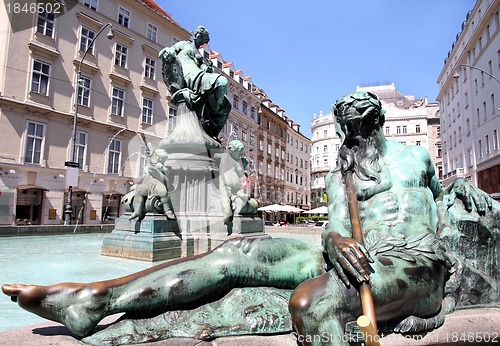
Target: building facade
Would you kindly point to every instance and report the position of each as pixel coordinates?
(120, 100)
(410, 120)
(469, 96)
(121, 104)
(278, 153)
(324, 152)
(407, 120)
(282, 163)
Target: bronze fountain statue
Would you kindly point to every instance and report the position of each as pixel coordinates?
(410, 252)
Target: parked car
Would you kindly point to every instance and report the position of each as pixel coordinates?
(307, 223)
(321, 224)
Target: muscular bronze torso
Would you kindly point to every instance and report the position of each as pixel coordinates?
(402, 200)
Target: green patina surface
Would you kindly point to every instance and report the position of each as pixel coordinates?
(414, 257)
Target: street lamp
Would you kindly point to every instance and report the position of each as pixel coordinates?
(72, 166)
(457, 75)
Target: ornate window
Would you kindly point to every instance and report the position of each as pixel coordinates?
(35, 136)
(45, 23)
(80, 148)
(117, 102)
(92, 4)
(114, 156)
(121, 52)
(172, 118)
(149, 68)
(40, 77)
(236, 102)
(84, 87)
(124, 17)
(86, 37)
(147, 111)
(152, 32)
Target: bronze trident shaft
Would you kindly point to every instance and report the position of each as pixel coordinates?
(369, 332)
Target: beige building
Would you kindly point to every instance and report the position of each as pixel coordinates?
(324, 151)
(282, 157)
(276, 149)
(407, 120)
(469, 96)
(122, 104)
(410, 120)
(297, 167)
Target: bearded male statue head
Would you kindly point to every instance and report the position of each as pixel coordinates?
(359, 118)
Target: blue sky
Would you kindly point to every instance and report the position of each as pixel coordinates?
(305, 56)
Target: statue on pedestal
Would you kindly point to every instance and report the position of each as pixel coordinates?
(191, 79)
(234, 200)
(193, 184)
(151, 194)
(407, 220)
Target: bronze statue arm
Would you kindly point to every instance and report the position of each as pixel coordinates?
(349, 256)
(346, 255)
(434, 183)
(470, 195)
(421, 154)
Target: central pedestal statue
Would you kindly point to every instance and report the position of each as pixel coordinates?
(424, 251)
(191, 198)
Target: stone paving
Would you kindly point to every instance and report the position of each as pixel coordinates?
(463, 327)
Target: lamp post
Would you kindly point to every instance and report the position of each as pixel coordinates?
(473, 161)
(72, 166)
(456, 75)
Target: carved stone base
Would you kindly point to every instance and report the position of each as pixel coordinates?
(248, 226)
(156, 239)
(153, 239)
(195, 195)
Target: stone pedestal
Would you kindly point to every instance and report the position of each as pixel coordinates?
(196, 200)
(153, 239)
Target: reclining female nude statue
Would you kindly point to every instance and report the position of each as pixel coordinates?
(191, 79)
(403, 259)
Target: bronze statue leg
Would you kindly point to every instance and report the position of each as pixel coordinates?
(227, 207)
(162, 191)
(219, 106)
(321, 306)
(219, 91)
(139, 203)
(180, 283)
(318, 309)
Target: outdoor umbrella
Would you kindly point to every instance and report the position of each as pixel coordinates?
(319, 210)
(281, 208)
(273, 208)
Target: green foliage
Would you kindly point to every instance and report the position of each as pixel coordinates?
(314, 218)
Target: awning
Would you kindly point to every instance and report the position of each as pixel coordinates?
(280, 208)
(319, 210)
(76, 189)
(30, 187)
(30, 194)
(111, 193)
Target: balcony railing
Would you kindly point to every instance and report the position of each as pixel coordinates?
(459, 173)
